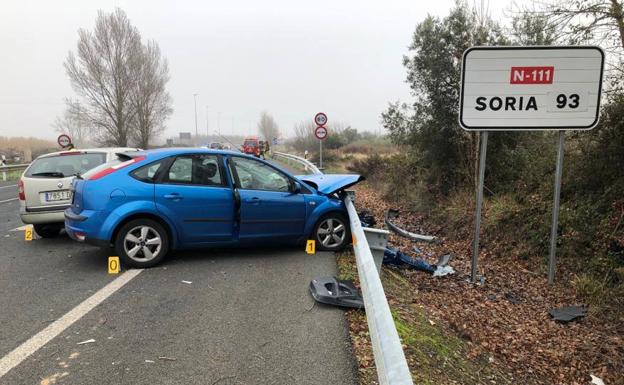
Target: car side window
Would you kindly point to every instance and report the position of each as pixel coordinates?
(147, 172)
(195, 169)
(255, 175)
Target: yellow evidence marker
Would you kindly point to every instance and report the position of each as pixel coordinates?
(28, 233)
(113, 265)
(310, 246)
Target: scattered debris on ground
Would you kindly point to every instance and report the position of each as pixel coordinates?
(332, 291)
(568, 313)
(497, 331)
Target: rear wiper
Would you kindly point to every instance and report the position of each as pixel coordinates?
(54, 174)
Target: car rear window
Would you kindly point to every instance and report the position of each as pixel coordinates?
(63, 165)
(118, 159)
(250, 143)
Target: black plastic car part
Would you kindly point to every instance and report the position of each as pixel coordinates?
(332, 291)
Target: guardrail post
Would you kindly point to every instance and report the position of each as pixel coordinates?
(377, 240)
(390, 360)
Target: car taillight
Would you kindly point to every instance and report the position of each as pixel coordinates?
(116, 167)
(20, 190)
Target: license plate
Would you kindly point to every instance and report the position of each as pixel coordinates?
(62, 195)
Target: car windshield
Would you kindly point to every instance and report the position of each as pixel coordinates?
(65, 164)
(250, 143)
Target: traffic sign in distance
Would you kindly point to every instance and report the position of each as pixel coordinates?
(63, 140)
(320, 119)
(531, 88)
(320, 133)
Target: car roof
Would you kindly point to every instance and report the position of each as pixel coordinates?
(92, 150)
(170, 151)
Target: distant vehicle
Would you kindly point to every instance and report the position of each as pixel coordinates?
(147, 203)
(44, 187)
(216, 146)
(251, 146)
(227, 147)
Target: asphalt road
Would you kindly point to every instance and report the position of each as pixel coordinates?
(246, 316)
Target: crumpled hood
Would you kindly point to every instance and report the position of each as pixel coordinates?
(330, 183)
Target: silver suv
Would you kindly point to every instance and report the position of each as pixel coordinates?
(44, 188)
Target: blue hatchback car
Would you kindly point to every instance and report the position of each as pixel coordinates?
(147, 203)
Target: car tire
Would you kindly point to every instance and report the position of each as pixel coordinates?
(142, 243)
(48, 230)
(332, 232)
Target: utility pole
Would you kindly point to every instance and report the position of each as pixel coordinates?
(195, 98)
(219, 122)
(232, 132)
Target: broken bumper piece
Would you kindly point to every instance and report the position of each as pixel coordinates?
(331, 291)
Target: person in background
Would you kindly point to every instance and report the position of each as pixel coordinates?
(261, 145)
(305, 154)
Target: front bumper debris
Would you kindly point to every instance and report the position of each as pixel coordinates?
(331, 291)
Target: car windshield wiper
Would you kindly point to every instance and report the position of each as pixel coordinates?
(54, 174)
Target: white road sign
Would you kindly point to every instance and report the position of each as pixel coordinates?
(320, 132)
(320, 119)
(63, 140)
(531, 88)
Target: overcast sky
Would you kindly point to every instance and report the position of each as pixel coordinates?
(291, 58)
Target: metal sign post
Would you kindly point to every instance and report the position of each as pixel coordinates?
(555, 213)
(475, 245)
(529, 88)
(321, 133)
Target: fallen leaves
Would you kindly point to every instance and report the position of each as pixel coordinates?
(504, 320)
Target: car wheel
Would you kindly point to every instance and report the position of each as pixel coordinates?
(48, 230)
(142, 243)
(332, 232)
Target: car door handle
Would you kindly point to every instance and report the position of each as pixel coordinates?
(173, 196)
(254, 200)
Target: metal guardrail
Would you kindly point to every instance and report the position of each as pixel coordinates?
(307, 165)
(389, 357)
(11, 167)
(390, 360)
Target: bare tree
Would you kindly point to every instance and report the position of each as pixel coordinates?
(150, 98)
(73, 123)
(267, 126)
(104, 71)
(304, 137)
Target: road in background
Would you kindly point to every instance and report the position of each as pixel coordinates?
(9, 208)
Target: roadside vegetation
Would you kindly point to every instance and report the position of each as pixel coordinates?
(431, 175)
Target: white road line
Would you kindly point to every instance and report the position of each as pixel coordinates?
(37, 341)
(9, 200)
(13, 185)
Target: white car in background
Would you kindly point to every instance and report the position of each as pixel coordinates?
(44, 187)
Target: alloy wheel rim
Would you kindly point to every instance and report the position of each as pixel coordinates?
(331, 232)
(142, 243)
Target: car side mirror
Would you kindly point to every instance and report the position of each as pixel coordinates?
(295, 188)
